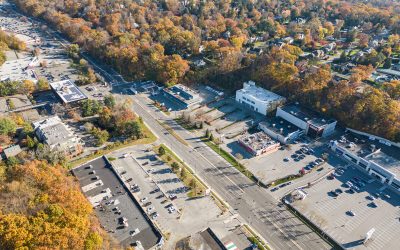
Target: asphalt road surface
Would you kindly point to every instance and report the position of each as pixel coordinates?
(277, 225)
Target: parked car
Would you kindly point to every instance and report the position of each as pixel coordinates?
(172, 197)
(144, 199)
(134, 232)
(351, 213)
(147, 204)
(339, 191)
(171, 209)
(150, 209)
(274, 189)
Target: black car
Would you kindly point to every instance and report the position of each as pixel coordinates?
(339, 191)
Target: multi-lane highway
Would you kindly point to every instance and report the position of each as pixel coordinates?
(277, 225)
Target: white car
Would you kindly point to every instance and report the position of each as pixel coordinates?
(154, 216)
(144, 199)
(171, 209)
(150, 209)
(134, 232)
(125, 155)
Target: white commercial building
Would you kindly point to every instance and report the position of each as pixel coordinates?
(280, 130)
(308, 121)
(258, 99)
(53, 132)
(380, 160)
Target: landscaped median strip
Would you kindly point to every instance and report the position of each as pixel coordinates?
(173, 133)
(181, 170)
(255, 239)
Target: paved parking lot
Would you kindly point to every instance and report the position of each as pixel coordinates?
(331, 212)
(58, 65)
(191, 214)
(113, 205)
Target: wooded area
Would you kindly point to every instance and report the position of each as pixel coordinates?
(161, 40)
(43, 208)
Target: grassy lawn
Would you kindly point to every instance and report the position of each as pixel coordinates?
(169, 158)
(148, 138)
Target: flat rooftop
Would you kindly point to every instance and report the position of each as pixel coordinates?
(18, 101)
(279, 126)
(306, 115)
(258, 141)
(260, 94)
(183, 93)
(109, 184)
(68, 91)
(385, 156)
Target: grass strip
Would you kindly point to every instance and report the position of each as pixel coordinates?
(173, 133)
(254, 239)
(169, 158)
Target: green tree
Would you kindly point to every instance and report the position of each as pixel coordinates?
(175, 167)
(90, 107)
(30, 143)
(109, 101)
(43, 84)
(12, 161)
(132, 129)
(7, 126)
(161, 151)
(100, 135)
